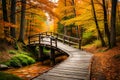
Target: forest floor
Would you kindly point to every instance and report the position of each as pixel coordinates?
(34, 70)
(105, 64)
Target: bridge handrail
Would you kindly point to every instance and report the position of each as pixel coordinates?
(69, 39)
(54, 37)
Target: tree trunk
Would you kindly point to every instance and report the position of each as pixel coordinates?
(113, 23)
(5, 18)
(65, 27)
(97, 26)
(22, 24)
(12, 18)
(106, 23)
(74, 11)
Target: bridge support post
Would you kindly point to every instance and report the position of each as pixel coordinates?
(52, 57)
(41, 53)
(79, 43)
(69, 41)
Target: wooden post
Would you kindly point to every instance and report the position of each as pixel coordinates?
(69, 40)
(39, 39)
(41, 53)
(50, 33)
(79, 41)
(56, 42)
(51, 41)
(57, 35)
(52, 57)
(46, 33)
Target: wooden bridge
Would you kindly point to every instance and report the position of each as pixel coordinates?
(76, 67)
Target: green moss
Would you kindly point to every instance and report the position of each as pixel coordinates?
(20, 60)
(15, 62)
(13, 52)
(6, 76)
(19, 52)
(26, 60)
(23, 52)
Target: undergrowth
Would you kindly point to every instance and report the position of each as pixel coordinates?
(97, 43)
(19, 60)
(88, 38)
(6, 76)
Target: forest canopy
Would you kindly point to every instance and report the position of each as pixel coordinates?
(96, 20)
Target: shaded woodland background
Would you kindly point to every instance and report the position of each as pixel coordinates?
(97, 21)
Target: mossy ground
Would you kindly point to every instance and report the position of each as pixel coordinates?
(7, 76)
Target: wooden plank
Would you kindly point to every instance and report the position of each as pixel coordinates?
(72, 69)
(68, 71)
(66, 76)
(51, 77)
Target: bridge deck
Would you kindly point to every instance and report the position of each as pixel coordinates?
(76, 67)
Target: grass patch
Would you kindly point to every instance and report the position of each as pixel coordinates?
(6, 76)
(13, 52)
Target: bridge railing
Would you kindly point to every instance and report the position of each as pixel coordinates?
(39, 38)
(53, 39)
(68, 39)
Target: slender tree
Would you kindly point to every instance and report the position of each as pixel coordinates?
(106, 23)
(22, 24)
(74, 11)
(65, 27)
(12, 18)
(5, 18)
(96, 22)
(113, 23)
